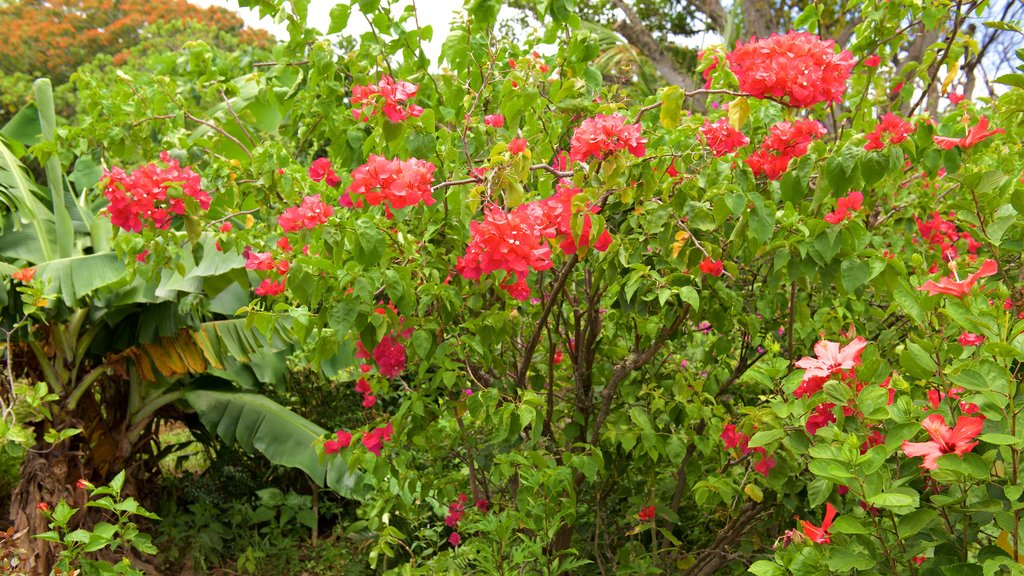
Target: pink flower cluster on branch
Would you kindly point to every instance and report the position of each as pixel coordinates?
(796, 68)
(312, 212)
(151, 195)
(722, 138)
(394, 183)
(897, 129)
(395, 97)
(602, 135)
(784, 142)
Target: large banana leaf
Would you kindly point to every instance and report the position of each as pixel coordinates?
(259, 424)
(78, 276)
(20, 195)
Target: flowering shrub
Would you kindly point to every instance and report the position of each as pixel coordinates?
(644, 346)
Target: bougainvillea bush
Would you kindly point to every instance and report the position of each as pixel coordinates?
(773, 323)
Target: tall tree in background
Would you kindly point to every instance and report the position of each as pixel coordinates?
(52, 38)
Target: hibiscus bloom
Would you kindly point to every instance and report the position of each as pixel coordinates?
(819, 534)
(945, 440)
(820, 417)
(830, 360)
(975, 134)
(959, 288)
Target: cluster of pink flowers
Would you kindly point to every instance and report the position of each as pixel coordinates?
(897, 129)
(142, 197)
(455, 512)
(395, 96)
(935, 398)
(711, 267)
(604, 134)
(942, 235)
(321, 171)
(515, 241)
(784, 142)
(708, 72)
(733, 438)
(845, 207)
(265, 261)
(646, 514)
(394, 183)
(312, 212)
(797, 68)
(373, 440)
(722, 138)
(388, 355)
(494, 120)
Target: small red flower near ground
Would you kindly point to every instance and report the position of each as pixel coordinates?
(25, 275)
(646, 514)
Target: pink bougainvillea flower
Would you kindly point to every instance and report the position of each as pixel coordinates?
(375, 439)
(602, 135)
(955, 98)
(321, 171)
(396, 98)
(482, 505)
(734, 438)
(141, 256)
(897, 129)
(312, 212)
(830, 360)
(389, 355)
(819, 534)
(711, 267)
(944, 440)
(394, 183)
(259, 260)
(845, 207)
(494, 120)
(721, 138)
(784, 142)
(765, 464)
(517, 146)
(646, 514)
(455, 539)
(226, 227)
(269, 288)
(970, 339)
(798, 68)
(344, 439)
(25, 275)
(142, 198)
(975, 134)
(959, 288)
(872, 61)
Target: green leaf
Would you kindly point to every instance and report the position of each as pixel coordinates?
(766, 568)
(844, 560)
(671, 110)
(765, 437)
(369, 242)
(834, 470)
(854, 273)
(1001, 439)
(259, 424)
(894, 500)
(76, 277)
(1015, 80)
(839, 169)
(914, 522)
(850, 525)
(339, 18)
(917, 362)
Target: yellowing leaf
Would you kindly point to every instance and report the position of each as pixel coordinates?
(754, 492)
(739, 110)
(671, 107)
(954, 69)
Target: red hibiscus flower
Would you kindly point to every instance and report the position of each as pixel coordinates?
(959, 288)
(820, 417)
(819, 534)
(975, 134)
(344, 439)
(830, 360)
(797, 67)
(944, 440)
